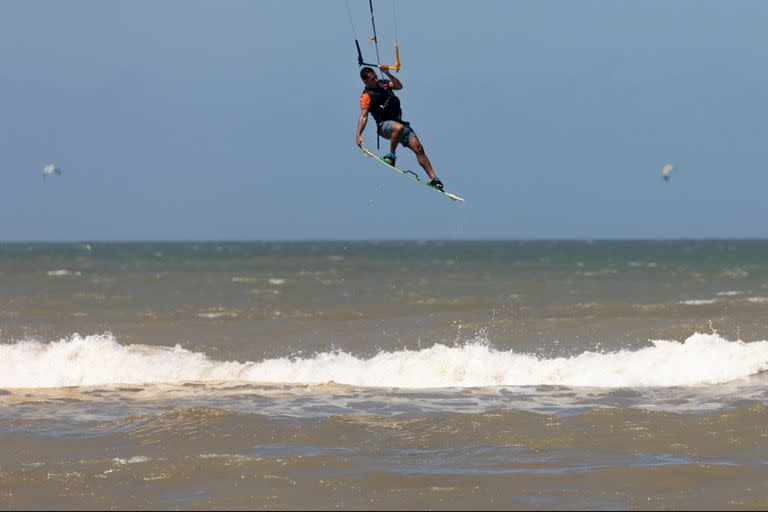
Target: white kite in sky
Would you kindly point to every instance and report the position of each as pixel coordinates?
(666, 170)
(50, 169)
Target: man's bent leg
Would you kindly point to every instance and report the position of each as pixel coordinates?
(421, 156)
(394, 138)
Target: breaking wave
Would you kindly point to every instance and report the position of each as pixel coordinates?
(701, 360)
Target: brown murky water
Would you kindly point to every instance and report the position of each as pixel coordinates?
(533, 375)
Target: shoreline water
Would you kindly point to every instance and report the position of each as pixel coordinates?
(384, 375)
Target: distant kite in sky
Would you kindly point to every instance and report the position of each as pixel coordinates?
(666, 170)
(50, 169)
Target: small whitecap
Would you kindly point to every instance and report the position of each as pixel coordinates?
(223, 314)
(735, 273)
(238, 279)
(132, 460)
(63, 272)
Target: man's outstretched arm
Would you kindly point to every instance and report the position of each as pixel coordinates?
(361, 125)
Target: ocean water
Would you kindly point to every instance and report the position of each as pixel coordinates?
(384, 375)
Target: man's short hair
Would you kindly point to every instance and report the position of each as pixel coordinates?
(364, 72)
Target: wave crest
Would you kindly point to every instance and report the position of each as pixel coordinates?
(702, 359)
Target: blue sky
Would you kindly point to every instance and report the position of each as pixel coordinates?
(235, 120)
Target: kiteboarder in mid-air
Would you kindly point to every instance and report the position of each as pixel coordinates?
(379, 101)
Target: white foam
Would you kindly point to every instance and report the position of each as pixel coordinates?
(698, 302)
(238, 279)
(702, 359)
(217, 314)
(100, 360)
(63, 272)
(133, 460)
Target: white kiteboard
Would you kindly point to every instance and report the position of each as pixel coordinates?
(410, 174)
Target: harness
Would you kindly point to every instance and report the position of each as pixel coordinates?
(385, 106)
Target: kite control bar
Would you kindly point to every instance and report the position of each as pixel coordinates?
(375, 41)
(360, 61)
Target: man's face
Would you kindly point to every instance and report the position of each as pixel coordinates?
(370, 79)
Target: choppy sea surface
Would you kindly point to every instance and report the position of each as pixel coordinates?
(384, 375)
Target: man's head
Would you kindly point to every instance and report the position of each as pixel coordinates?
(368, 75)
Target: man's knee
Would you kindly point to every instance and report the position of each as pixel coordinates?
(397, 129)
